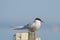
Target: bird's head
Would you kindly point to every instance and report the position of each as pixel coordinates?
(39, 19)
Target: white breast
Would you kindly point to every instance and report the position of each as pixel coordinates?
(35, 25)
(38, 24)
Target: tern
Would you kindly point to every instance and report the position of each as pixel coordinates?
(34, 26)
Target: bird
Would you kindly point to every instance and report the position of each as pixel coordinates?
(33, 26)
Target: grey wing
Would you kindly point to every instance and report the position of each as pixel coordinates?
(30, 25)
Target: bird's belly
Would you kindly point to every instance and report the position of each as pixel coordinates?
(36, 27)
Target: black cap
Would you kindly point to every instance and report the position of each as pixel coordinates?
(38, 19)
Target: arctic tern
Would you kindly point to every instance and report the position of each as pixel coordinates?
(34, 26)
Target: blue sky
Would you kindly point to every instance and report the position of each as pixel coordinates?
(21, 12)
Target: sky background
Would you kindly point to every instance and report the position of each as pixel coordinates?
(21, 12)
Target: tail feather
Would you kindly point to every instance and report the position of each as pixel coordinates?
(18, 27)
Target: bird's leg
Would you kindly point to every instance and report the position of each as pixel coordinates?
(33, 30)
